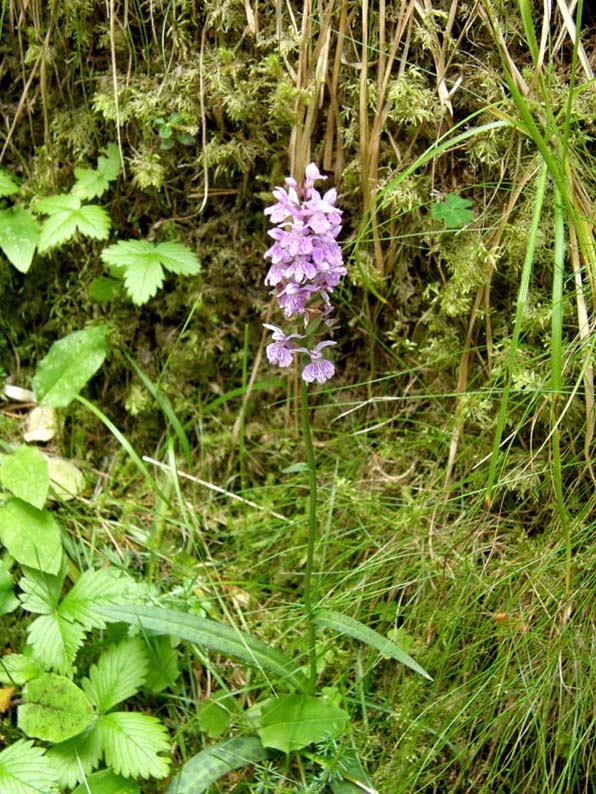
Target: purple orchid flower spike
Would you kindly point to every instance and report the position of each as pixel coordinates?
(306, 266)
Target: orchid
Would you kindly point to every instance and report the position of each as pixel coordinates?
(306, 266)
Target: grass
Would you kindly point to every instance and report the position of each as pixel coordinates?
(453, 453)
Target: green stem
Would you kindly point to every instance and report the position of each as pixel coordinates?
(312, 532)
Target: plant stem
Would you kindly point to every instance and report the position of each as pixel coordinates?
(312, 532)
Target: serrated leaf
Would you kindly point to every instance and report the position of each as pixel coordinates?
(162, 658)
(106, 782)
(55, 709)
(142, 262)
(76, 757)
(358, 631)
(178, 258)
(41, 591)
(32, 536)
(8, 187)
(93, 182)
(66, 217)
(454, 211)
(25, 769)
(132, 743)
(120, 672)
(70, 363)
(25, 473)
(210, 634)
(17, 669)
(292, 722)
(19, 235)
(205, 768)
(55, 642)
(66, 480)
(93, 590)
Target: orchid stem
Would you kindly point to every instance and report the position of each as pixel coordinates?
(312, 533)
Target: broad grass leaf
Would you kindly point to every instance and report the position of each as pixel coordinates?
(208, 766)
(210, 634)
(55, 709)
(26, 474)
(106, 782)
(19, 235)
(32, 536)
(292, 722)
(358, 631)
(8, 187)
(55, 642)
(70, 363)
(120, 672)
(25, 769)
(132, 743)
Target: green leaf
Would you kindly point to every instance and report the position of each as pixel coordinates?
(66, 217)
(76, 757)
(354, 779)
(8, 600)
(213, 717)
(132, 743)
(454, 211)
(143, 263)
(66, 480)
(17, 669)
(106, 782)
(353, 628)
(24, 769)
(19, 234)
(31, 536)
(292, 722)
(210, 634)
(55, 642)
(205, 768)
(93, 182)
(119, 674)
(162, 658)
(41, 591)
(185, 138)
(104, 290)
(70, 363)
(8, 187)
(26, 474)
(93, 590)
(56, 709)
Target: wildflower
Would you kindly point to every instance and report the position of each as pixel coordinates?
(306, 266)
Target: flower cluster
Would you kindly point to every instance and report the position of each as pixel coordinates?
(306, 266)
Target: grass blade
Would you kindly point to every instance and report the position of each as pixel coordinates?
(353, 628)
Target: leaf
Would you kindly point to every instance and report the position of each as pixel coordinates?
(41, 424)
(56, 709)
(355, 779)
(213, 717)
(19, 234)
(8, 601)
(292, 722)
(41, 591)
(76, 757)
(162, 658)
(104, 290)
(454, 211)
(143, 264)
(8, 187)
(106, 782)
(93, 590)
(32, 536)
(16, 668)
(70, 363)
(26, 474)
(353, 628)
(66, 480)
(132, 743)
(24, 769)
(205, 768)
(119, 674)
(210, 634)
(55, 642)
(93, 182)
(6, 695)
(66, 217)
